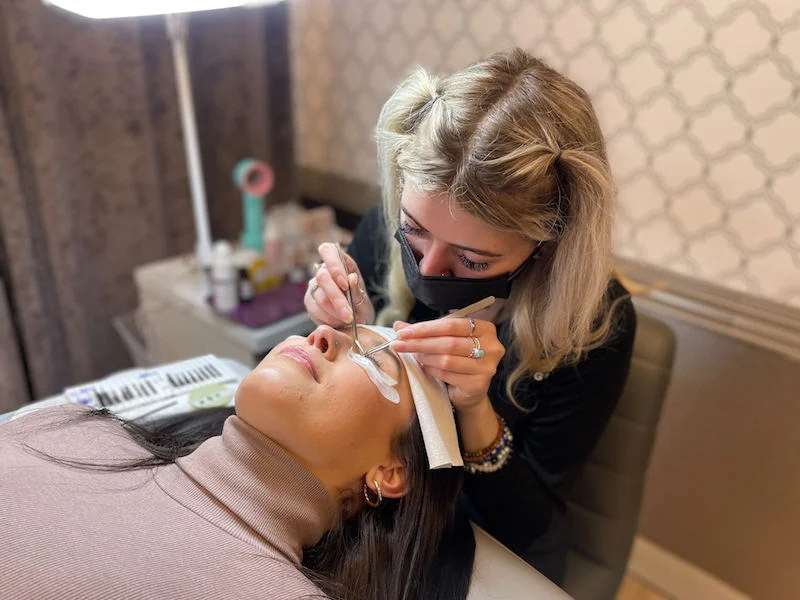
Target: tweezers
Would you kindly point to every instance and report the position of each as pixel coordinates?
(464, 312)
(350, 301)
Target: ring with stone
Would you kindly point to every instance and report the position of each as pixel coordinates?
(477, 351)
(316, 267)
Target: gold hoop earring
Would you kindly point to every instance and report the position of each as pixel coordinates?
(378, 491)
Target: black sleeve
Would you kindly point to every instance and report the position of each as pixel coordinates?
(512, 504)
(369, 249)
(552, 443)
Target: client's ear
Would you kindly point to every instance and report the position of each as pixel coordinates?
(393, 479)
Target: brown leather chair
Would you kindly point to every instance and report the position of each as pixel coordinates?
(607, 496)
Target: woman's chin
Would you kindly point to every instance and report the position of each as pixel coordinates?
(269, 398)
(271, 382)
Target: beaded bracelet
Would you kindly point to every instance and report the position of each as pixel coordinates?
(493, 457)
(481, 454)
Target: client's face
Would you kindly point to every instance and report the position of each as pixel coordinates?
(322, 407)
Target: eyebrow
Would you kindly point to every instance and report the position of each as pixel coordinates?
(459, 246)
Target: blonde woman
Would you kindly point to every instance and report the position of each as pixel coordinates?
(495, 181)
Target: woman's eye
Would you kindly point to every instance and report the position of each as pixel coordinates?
(406, 227)
(471, 265)
(378, 363)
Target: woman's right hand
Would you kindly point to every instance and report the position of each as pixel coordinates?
(326, 297)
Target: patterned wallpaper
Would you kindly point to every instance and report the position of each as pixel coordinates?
(699, 100)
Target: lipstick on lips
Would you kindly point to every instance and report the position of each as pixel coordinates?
(301, 356)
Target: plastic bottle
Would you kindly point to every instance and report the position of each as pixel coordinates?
(225, 278)
(273, 245)
(294, 236)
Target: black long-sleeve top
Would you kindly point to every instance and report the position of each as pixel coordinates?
(522, 504)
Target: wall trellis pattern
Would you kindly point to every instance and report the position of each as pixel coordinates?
(699, 100)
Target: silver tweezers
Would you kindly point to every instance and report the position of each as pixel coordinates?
(464, 312)
(350, 301)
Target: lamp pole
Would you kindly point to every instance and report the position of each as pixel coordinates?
(178, 33)
(177, 29)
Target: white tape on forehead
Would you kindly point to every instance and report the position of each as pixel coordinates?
(434, 411)
(380, 378)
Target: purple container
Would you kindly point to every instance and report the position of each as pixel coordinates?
(269, 307)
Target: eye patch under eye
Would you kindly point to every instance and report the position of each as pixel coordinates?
(381, 379)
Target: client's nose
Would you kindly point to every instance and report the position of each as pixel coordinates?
(329, 341)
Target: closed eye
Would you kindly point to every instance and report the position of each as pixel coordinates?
(472, 265)
(409, 229)
(378, 363)
(370, 342)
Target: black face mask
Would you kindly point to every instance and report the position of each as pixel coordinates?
(447, 293)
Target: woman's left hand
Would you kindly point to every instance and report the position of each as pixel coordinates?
(444, 347)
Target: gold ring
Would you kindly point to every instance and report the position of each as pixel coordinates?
(363, 297)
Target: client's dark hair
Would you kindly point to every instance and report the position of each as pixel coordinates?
(419, 547)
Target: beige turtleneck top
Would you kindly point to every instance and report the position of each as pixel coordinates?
(228, 521)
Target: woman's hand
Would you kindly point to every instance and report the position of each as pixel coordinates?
(444, 347)
(326, 297)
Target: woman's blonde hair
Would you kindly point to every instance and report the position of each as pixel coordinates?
(518, 145)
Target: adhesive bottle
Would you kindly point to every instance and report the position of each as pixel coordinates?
(225, 277)
(246, 292)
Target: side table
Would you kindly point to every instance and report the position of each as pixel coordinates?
(175, 322)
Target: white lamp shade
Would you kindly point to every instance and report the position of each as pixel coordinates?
(111, 9)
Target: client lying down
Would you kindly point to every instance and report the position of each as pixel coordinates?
(332, 479)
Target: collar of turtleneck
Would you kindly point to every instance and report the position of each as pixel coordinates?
(244, 483)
